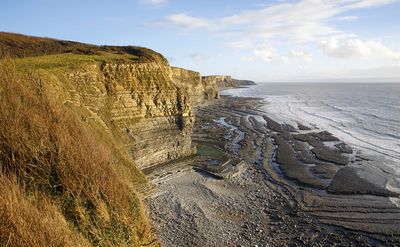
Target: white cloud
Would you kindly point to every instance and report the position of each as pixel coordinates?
(355, 4)
(298, 53)
(240, 45)
(299, 21)
(268, 53)
(282, 24)
(348, 18)
(155, 2)
(265, 53)
(356, 48)
(184, 21)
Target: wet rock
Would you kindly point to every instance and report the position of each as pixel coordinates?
(323, 136)
(326, 171)
(360, 180)
(289, 128)
(344, 148)
(292, 167)
(271, 124)
(330, 155)
(302, 127)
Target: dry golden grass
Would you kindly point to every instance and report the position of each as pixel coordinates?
(59, 183)
(25, 220)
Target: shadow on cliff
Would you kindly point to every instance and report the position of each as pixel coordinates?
(180, 101)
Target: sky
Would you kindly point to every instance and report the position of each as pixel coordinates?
(261, 40)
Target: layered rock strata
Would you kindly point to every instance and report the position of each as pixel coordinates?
(199, 89)
(222, 81)
(147, 104)
(140, 103)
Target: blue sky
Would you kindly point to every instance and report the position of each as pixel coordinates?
(275, 40)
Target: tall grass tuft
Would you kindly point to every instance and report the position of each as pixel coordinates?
(59, 185)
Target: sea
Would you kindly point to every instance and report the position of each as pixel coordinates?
(365, 116)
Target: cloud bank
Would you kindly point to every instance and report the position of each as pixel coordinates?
(300, 21)
(296, 23)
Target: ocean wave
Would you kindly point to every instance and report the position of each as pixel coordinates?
(360, 110)
(352, 118)
(367, 119)
(348, 129)
(370, 145)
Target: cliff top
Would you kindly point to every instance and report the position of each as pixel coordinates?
(19, 46)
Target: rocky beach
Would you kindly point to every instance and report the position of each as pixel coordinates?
(113, 146)
(256, 182)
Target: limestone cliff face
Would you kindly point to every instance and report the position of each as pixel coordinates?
(130, 92)
(221, 81)
(192, 82)
(203, 88)
(145, 105)
(140, 103)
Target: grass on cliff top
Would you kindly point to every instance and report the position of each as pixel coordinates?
(19, 46)
(70, 71)
(69, 60)
(61, 183)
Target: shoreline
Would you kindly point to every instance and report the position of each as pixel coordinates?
(253, 185)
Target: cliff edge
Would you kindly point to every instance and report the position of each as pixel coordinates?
(223, 81)
(79, 124)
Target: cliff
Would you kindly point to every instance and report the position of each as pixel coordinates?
(153, 114)
(221, 81)
(202, 89)
(192, 82)
(65, 178)
(140, 104)
(136, 102)
(244, 82)
(78, 125)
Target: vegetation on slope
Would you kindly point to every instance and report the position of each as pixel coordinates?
(18, 45)
(63, 182)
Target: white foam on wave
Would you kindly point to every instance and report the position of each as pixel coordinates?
(359, 125)
(287, 110)
(395, 201)
(393, 185)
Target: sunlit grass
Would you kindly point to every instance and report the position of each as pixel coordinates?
(59, 173)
